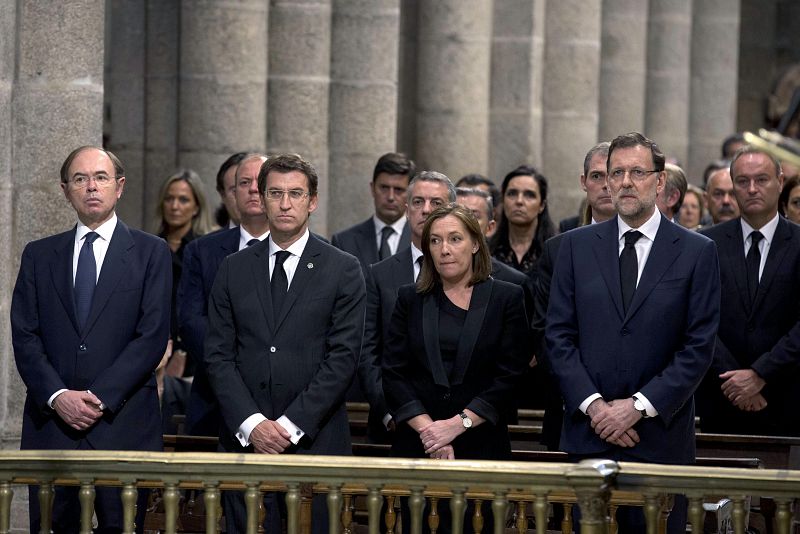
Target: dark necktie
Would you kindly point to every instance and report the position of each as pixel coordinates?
(251, 242)
(279, 285)
(419, 262)
(85, 279)
(753, 263)
(384, 251)
(629, 268)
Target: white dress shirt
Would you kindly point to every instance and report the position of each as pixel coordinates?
(245, 237)
(394, 239)
(768, 231)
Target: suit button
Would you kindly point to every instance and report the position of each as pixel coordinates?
(446, 396)
(625, 332)
(272, 349)
(82, 348)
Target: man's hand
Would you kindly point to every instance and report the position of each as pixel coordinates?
(79, 409)
(445, 453)
(741, 384)
(613, 420)
(752, 404)
(440, 433)
(268, 437)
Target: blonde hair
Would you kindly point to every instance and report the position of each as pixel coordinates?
(201, 222)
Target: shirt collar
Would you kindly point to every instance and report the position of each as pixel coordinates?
(415, 253)
(397, 226)
(649, 229)
(295, 249)
(105, 230)
(768, 230)
(245, 236)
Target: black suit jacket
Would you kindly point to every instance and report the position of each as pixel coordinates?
(360, 241)
(764, 337)
(298, 363)
(201, 260)
(116, 353)
(488, 363)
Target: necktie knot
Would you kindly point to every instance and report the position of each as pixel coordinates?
(384, 251)
(387, 232)
(280, 257)
(90, 237)
(755, 238)
(631, 237)
(252, 242)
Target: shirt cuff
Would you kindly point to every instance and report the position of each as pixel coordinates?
(295, 434)
(53, 397)
(243, 435)
(590, 399)
(648, 406)
(386, 420)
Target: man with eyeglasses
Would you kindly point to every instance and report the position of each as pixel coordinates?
(634, 308)
(752, 384)
(427, 191)
(90, 319)
(285, 320)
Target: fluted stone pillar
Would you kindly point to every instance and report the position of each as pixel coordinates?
(407, 79)
(125, 103)
(756, 61)
(715, 74)
(668, 58)
(571, 97)
(363, 102)
(453, 86)
(516, 86)
(223, 83)
(299, 82)
(623, 67)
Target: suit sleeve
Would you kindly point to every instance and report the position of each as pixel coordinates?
(345, 331)
(38, 374)
(142, 354)
(782, 357)
(674, 386)
(369, 363)
(191, 302)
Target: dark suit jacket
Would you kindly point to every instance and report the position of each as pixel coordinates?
(662, 347)
(201, 260)
(764, 337)
(570, 223)
(360, 241)
(488, 363)
(115, 355)
(297, 364)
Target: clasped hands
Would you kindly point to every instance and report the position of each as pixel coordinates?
(742, 387)
(268, 437)
(79, 409)
(613, 421)
(437, 437)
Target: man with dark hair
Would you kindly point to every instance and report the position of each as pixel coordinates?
(670, 200)
(386, 231)
(228, 214)
(479, 181)
(754, 375)
(630, 346)
(89, 324)
(285, 322)
(720, 200)
(732, 144)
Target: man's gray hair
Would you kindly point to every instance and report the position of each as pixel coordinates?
(432, 176)
(475, 192)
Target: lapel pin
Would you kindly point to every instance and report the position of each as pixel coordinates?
(310, 265)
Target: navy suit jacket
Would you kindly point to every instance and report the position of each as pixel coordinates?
(201, 260)
(361, 241)
(764, 336)
(298, 363)
(662, 347)
(116, 353)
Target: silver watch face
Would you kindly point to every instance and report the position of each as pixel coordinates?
(466, 421)
(638, 405)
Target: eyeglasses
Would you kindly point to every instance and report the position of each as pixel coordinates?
(295, 195)
(635, 174)
(81, 181)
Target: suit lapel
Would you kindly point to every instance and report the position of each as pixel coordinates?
(662, 255)
(311, 262)
(403, 269)
(230, 244)
(472, 327)
(430, 335)
(261, 276)
(405, 238)
(366, 241)
(61, 271)
(112, 271)
(777, 250)
(734, 257)
(606, 250)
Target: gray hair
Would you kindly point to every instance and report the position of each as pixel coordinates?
(474, 192)
(599, 148)
(432, 176)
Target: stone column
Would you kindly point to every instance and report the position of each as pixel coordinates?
(223, 83)
(715, 74)
(363, 102)
(571, 97)
(407, 79)
(299, 81)
(516, 86)
(668, 58)
(125, 104)
(454, 50)
(623, 67)
(757, 66)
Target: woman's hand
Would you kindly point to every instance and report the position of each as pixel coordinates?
(440, 433)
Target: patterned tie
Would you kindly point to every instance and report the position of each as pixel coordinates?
(753, 262)
(279, 285)
(85, 279)
(629, 268)
(384, 251)
(251, 242)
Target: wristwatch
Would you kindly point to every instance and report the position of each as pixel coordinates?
(638, 405)
(465, 420)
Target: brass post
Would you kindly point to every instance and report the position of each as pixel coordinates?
(45, 507)
(211, 500)
(458, 505)
(540, 512)
(433, 515)
(129, 495)
(374, 501)
(251, 499)
(415, 503)
(335, 509)
(6, 494)
(477, 516)
(86, 498)
(293, 507)
(499, 509)
(171, 497)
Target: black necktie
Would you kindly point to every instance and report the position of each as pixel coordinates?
(279, 284)
(753, 263)
(85, 279)
(419, 262)
(384, 251)
(629, 268)
(251, 242)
